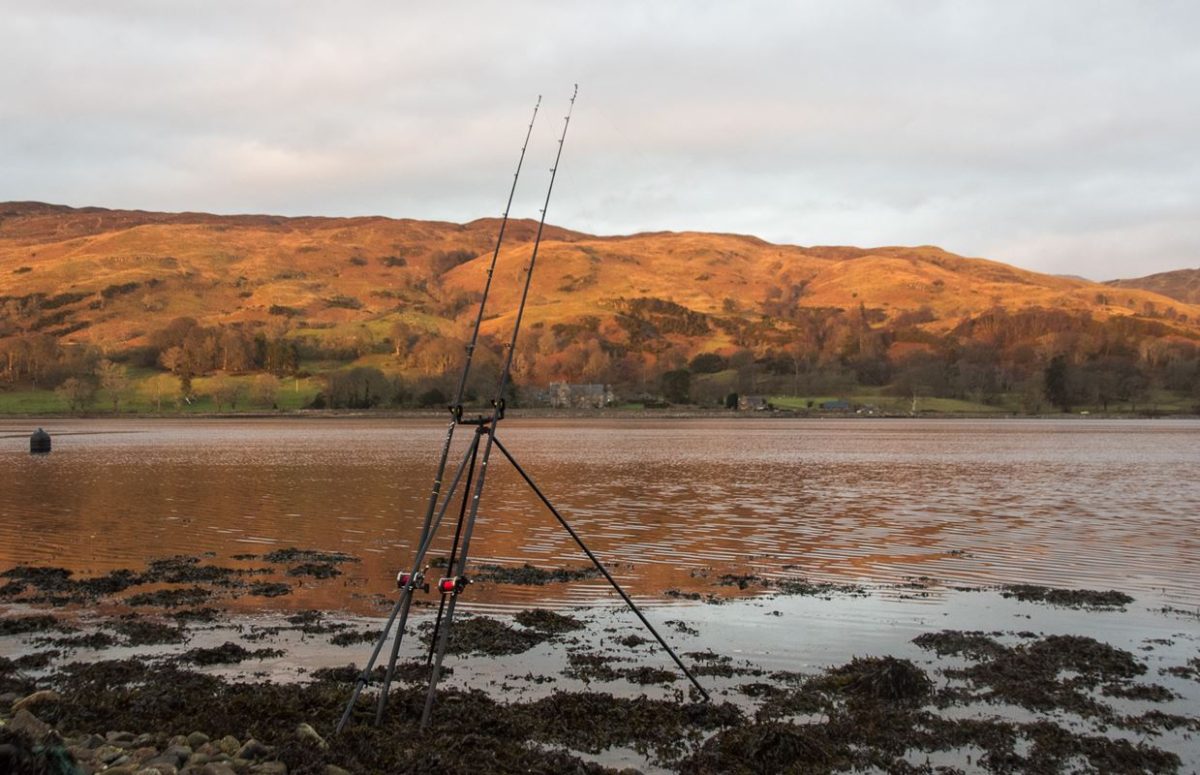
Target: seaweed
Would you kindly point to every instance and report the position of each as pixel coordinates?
(1068, 598)
(318, 570)
(483, 635)
(529, 575)
(545, 620)
(170, 598)
(227, 653)
(36, 623)
(294, 555)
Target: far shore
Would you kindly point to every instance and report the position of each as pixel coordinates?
(544, 413)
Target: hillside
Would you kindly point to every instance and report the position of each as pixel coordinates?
(397, 294)
(1181, 285)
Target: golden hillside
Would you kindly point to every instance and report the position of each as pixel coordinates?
(1181, 284)
(112, 277)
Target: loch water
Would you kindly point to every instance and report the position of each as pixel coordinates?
(669, 504)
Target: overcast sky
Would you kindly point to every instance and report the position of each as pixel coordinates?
(1058, 136)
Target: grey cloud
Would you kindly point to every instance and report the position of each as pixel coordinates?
(1056, 136)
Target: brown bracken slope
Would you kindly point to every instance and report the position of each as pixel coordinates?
(112, 277)
(1181, 285)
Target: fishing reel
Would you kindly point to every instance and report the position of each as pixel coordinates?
(412, 581)
(452, 585)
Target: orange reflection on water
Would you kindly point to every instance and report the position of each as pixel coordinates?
(668, 504)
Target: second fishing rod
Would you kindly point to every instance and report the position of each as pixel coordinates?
(452, 585)
(486, 433)
(409, 581)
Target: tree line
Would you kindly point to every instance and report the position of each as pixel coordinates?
(650, 350)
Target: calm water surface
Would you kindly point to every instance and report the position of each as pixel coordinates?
(1095, 504)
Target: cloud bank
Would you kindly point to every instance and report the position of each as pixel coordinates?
(1056, 136)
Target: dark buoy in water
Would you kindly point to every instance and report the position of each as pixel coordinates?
(39, 442)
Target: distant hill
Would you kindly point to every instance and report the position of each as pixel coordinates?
(1182, 284)
(399, 295)
(112, 276)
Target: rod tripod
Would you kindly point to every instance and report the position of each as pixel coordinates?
(451, 586)
(473, 468)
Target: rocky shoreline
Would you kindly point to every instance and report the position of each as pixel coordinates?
(173, 687)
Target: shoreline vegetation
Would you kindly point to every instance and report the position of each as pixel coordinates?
(998, 701)
(625, 412)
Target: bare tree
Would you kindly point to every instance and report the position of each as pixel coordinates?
(114, 380)
(265, 390)
(226, 391)
(78, 393)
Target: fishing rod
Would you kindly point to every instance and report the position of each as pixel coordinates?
(475, 465)
(454, 584)
(414, 579)
(457, 581)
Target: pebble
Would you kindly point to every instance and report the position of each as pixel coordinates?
(108, 753)
(92, 741)
(253, 750)
(270, 768)
(159, 768)
(30, 725)
(197, 739)
(229, 745)
(45, 696)
(217, 768)
(181, 753)
(306, 733)
(162, 762)
(118, 738)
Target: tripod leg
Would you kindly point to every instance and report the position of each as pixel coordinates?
(406, 598)
(440, 654)
(468, 528)
(462, 513)
(431, 526)
(600, 567)
(365, 677)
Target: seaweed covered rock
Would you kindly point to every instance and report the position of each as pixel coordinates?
(760, 748)
(884, 679)
(545, 620)
(1068, 598)
(484, 635)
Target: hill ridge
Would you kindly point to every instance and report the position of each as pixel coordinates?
(343, 290)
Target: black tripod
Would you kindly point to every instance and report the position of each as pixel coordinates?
(473, 468)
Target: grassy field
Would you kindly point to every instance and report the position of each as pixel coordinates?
(1158, 402)
(152, 392)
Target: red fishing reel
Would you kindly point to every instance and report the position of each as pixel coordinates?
(412, 581)
(452, 585)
